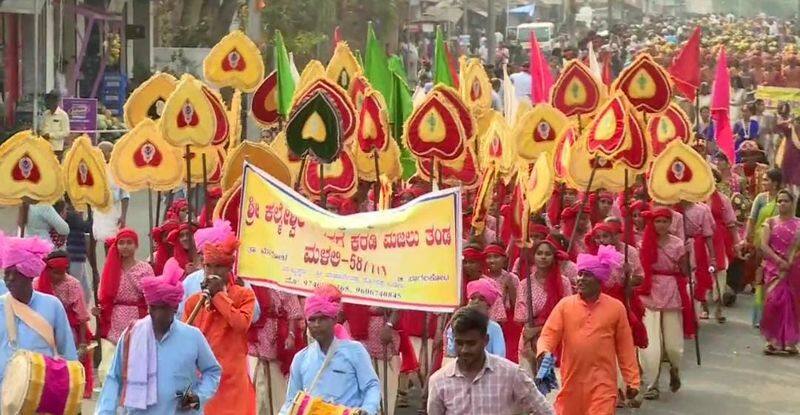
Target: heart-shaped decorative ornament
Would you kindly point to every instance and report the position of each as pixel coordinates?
(476, 89)
(340, 176)
(259, 155)
(220, 115)
(373, 127)
(540, 183)
(29, 168)
(315, 129)
(607, 135)
(498, 148)
(388, 163)
(434, 129)
(608, 175)
(453, 99)
(637, 156)
(341, 101)
(343, 66)
(264, 105)
(537, 130)
(646, 84)
(462, 171)
(142, 159)
(577, 91)
(358, 90)
(680, 173)
(670, 125)
(189, 117)
(85, 175)
(149, 98)
(235, 61)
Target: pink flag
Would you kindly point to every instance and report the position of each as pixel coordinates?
(720, 107)
(541, 77)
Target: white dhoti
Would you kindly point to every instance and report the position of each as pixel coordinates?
(277, 382)
(393, 380)
(665, 335)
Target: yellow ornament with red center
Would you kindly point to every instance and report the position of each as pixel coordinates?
(189, 117)
(680, 173)
(85, 176)
(149, 98)
(142, 159)
(29, 168)
(235, 61)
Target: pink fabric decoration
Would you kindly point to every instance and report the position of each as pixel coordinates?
(486, 288)
(165, 289)
(601, 265)
(218, 232)
(720, 106)
(25, 254)
(321, 304)
(341, 333)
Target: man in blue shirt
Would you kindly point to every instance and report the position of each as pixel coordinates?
(22, 260)
(163, 358)
(482, 294)
(346, 377)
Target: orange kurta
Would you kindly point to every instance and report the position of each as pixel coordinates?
(225, 327)
(593, 337)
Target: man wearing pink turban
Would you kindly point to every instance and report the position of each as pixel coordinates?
(159, 356)
(345, 378)
(593, 332)
(22, 260)
(481, 294)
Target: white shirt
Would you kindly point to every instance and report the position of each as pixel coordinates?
(522, 84)
(56, 125)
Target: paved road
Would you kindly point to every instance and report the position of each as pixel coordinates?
(735, 378)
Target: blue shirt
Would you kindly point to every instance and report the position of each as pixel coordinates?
(52, 311)
(349, 379)
(182, 352)
(496, 345)
(3, 288)
(191, 286)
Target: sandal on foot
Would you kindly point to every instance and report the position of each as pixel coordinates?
(770, 350)
(652, 394)
(791, 351)
(720, 318)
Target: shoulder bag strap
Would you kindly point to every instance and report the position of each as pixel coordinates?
(328, 358)
(33, 319)
(10, 326)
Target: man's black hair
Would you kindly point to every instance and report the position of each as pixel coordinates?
(468, 318)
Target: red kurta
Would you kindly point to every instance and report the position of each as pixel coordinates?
(225, 327)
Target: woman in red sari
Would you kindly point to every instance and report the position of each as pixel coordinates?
(55, 281)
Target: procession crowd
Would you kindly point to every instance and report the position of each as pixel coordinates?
(602, 296)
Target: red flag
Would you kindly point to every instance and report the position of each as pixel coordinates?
(720, 106)
(685, 69)
(453, 64)
(337, 36)
(541, 77)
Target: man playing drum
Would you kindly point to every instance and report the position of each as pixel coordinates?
(22, 260)
(155, 367)
(338, 371)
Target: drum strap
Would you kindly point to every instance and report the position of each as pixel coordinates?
(30, 317)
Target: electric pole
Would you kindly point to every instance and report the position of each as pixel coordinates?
(490, 38)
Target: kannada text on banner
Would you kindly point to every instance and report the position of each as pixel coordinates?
(406, 258)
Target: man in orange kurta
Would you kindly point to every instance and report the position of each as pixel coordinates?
(224, 322)
(593, 332)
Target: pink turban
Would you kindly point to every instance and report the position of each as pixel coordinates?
(26, 255)
(486, 288)
(166, 289)
(218, 232)
(601, 265)
(322, 304)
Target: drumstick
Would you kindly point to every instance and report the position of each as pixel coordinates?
(197, 308)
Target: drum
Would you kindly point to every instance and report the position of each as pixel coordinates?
(42, 385)
(305, 404)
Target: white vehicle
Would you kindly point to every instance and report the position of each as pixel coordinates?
(545, 32)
